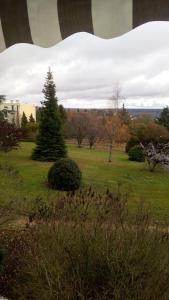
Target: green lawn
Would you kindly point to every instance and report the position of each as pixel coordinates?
(28, 179)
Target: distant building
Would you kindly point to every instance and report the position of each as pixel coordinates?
(13, 110)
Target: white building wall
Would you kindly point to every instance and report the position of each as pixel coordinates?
(15, 110)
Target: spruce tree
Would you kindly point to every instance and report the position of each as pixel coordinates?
(63, 114)
(31, 119)
(124, 115)
(24, 120)
(50, 144)
(164, 117)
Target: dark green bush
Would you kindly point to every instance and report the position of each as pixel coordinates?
(133, 141)
(64, 175)
(136, 154)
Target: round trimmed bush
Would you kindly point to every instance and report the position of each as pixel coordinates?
(133, 141)
(136, 154)
(64, 175)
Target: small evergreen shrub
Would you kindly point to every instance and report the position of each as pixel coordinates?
(133, 141)
(64, 175)
(136, 154)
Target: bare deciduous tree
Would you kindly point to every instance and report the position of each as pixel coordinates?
(116, 97)
(79, 127)
(111, 132)
(92, 129)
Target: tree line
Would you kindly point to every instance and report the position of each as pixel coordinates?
(54, 125)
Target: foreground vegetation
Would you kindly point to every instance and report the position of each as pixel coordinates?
(86, 245)
(23, 180)
(96, 243)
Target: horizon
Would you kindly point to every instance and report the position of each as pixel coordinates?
(93, 108)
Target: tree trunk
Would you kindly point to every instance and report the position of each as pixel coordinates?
(79, 142)
(110, 152)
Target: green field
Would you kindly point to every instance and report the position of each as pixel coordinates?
(27, 179)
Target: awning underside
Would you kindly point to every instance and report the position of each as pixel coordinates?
(47, 22)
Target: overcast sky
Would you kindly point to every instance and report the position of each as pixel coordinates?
(88, 69)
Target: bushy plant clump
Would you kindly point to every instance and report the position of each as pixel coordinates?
(133, 141)
(9, 136)
(156, 154)
(64, 175)
(136, 154)
(86, 245)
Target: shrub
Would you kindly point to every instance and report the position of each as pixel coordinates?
(136, 154)
(156, 154)
(133, 141)
(150, 132)
(9, 136)
(64, 175)
(29, 132)
(155, 133)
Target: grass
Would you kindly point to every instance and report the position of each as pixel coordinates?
(28, 178)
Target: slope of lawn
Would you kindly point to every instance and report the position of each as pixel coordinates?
(23, 180)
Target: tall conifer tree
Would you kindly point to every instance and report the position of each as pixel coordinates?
(50, 144)
(31, 119)
(24, 120)
(164, 117)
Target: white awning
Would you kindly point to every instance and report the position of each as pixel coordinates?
(47, 22)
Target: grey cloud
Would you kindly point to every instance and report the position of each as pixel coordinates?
(86, 69)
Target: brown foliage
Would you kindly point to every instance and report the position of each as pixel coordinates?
(114, 131)
(93, 126)
(156, 133)
(77, 126)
